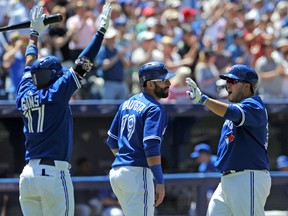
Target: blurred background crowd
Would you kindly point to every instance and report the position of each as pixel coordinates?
(196, 38)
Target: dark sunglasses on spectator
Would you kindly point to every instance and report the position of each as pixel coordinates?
(233, 81)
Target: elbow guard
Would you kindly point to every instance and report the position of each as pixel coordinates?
(82, 66)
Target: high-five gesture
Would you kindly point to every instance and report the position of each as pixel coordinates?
(37, 17)
(195, 94)
(105, 18)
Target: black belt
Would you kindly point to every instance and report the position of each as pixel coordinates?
(227, 172)
(46, 161)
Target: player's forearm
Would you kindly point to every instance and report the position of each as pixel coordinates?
(154, 160)
(217, 107)
(31, 50)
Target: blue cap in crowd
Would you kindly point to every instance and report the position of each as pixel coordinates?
(282, 161)
(202, 147)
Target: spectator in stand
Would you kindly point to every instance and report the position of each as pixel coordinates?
(112, 63)
(153, 24)
(178, 86)
(19, 13)
(223, 57)
(128, 9)
(147, 51)
(238, 49)
(215, 22)
(82, 23)
(256, 10)
(205, 160)
(189, 15)
(172, 59)
(14, 61)
(207, 74)
(285, 78)
(125, 41)
(253, 37)
(280, 56)
(203, 155)
(48, 5)
(270, 73)
(280, 13)
(189, 45)
(60, 37)
(171, 24)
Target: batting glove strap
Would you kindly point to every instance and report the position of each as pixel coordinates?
(34, 33)
(203, 99)
(158, 174)
(102, 30)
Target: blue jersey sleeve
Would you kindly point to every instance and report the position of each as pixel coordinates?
(155, 124)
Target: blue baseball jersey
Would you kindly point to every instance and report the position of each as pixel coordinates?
(47, 117)
(138, 120)
(243, 145)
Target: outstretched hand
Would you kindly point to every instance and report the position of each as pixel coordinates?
(36, 18)
(195, 94)
(105, 17)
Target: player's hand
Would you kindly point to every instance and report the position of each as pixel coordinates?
(195, 94)
(105, 17)
(159, 194)
(36, 18)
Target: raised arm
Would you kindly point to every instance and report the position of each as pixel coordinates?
(217, 107)
(84, 62)
(36, 28)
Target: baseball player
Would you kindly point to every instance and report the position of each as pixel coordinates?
(43, 101)
(135, 138)
(242, 150)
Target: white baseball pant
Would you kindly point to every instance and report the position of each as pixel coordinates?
(46, 190)
(134, 188)
(241, 193)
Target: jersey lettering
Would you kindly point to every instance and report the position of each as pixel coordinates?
(138, 106)
(29, 102)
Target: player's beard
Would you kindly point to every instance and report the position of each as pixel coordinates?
(161, 92)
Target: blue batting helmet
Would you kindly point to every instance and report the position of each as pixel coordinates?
(45, 71)
(152, 71)
(242, 73)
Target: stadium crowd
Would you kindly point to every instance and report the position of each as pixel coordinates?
(200, 42)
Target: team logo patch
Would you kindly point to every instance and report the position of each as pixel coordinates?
(229, 137)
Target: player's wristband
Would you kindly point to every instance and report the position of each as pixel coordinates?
(203, 99)
(102, 30)
(34, 33)
(31, 50)
(158, 174)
